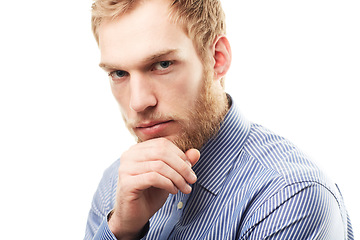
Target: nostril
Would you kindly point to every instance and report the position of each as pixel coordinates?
(142, 103)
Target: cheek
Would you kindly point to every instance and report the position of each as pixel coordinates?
(121, 98)
(188, 84)
(180, 97)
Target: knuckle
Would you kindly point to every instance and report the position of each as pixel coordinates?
(183, 168)
(151, 177)
(124, 156)
(163, 142)
(121, 172)
(157, 166)
(160, 152)
(179, 181)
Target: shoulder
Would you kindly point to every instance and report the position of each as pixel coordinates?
(103, 199)
(108, 181)
(284, 162)
(292, 192)
(299, 211)
(279, 155)
(105, 193)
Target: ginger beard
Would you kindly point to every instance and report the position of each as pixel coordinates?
(201, 122)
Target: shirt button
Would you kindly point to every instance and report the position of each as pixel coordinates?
(180, 205)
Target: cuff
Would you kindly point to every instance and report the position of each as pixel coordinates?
(104, 232)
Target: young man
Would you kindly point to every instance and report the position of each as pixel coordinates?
(199, 169)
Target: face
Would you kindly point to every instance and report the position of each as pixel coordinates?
(158, 78)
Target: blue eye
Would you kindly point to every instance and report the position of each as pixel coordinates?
(165, 64)
(118, 74)
(162, 65)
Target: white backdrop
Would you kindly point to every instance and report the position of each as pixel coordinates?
(295, 70)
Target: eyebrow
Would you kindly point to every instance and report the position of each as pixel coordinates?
(146, 60)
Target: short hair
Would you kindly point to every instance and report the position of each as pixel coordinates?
(203, 20)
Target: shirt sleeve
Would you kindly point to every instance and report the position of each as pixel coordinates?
(310, 213)
(102, 204)
(104, 232)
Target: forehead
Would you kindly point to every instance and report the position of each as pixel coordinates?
(140, 33)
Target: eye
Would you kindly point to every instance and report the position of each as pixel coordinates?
(162, 65)
(118, 74)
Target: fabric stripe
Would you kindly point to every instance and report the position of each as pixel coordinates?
(252, 184)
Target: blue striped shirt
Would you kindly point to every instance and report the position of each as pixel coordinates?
(252, 184)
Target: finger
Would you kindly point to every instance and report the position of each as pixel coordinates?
(165, 144)
(149, 153)
(165, 170)
(153, 149)
(181, 167)
(164, 150)
(193, 155)
(152, 179)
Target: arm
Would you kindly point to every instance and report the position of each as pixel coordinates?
(102, 202)
(148, 172)
(310, 213)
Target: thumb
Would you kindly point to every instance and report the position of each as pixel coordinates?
(193, 155)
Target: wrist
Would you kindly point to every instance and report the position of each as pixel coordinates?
(122, 234)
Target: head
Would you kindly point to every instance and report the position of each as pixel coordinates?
(166, 61)
(203, 21)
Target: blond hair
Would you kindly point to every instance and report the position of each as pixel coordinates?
(202, 20)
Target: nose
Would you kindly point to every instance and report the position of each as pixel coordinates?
(142, 93)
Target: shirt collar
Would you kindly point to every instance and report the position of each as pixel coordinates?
(218, 154)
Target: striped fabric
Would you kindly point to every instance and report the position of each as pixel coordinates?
(252, 184)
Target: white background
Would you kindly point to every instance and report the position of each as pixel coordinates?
(295, 70)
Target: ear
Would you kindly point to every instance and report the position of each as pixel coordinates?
(221, 56)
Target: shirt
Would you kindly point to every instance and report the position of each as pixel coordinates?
(252, 184)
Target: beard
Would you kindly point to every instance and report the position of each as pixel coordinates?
(202, 122)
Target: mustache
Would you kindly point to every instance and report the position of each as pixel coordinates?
(150, 117)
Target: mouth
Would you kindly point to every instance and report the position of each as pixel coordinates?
(153, 128)
(151, 124)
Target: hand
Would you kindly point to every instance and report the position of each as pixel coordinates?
(148, 172)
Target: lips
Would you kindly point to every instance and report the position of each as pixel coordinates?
(151, 124)
(153, 128)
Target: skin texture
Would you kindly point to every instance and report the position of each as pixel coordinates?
(168, 100)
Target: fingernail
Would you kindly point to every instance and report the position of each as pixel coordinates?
(194, 177)
(188, 188)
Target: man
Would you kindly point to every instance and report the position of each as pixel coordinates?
(199, 169)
